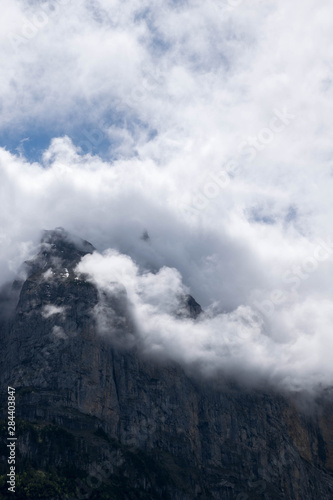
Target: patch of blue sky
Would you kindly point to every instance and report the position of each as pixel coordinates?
(31, 139)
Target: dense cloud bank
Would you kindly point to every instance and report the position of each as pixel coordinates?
(199, 150)
(254, 343)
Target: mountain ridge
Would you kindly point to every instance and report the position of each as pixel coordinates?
(164, 432)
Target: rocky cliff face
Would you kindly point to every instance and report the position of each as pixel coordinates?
(97, 419)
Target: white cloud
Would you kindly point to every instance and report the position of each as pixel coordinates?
(180, 89)
(59, 332)
(50, 310)
(293, 349)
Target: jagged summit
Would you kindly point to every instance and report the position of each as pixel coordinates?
(60, 243)
(59, 251)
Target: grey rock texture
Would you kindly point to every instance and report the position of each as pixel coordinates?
(85, 398)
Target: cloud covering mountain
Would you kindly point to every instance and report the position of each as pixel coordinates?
(205, 127)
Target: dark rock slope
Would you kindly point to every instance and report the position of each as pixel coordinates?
(97, 420)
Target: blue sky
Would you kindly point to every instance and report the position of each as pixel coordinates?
(31, 139)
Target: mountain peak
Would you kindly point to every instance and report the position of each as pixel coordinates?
(59, 251)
